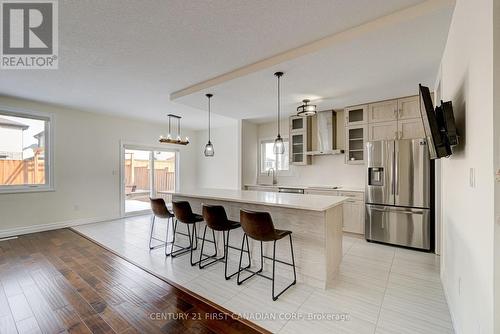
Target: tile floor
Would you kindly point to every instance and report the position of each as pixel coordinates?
(380, 289)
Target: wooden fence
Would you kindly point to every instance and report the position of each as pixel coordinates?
(164, 180)
(16, 172)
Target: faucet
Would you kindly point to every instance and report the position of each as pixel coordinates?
(275, 181)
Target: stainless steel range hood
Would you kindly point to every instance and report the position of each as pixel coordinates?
(324, 135)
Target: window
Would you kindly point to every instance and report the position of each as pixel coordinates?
(25, 152)
(270, 160)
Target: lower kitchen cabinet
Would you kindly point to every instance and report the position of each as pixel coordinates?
(354, 216)
(354, 208)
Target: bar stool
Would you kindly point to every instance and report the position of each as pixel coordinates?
(184, 214)
(215, 217)
(160, 210)
(259, 226)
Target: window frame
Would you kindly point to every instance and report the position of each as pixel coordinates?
(130, 145)
(282, 172)
(49, 151)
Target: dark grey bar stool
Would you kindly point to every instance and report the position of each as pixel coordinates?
(184, 214)
(216, 219)
(160, 210)
(259, 226)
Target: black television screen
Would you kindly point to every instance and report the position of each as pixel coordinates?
(434, 125)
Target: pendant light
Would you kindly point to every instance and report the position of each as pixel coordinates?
(209, 148)
(169, 139)
(279, 146)
(306, 109)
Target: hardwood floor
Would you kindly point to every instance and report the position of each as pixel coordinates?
(60, 282)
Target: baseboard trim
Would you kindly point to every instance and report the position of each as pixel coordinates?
(52, 226)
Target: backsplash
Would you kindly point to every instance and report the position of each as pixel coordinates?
(326, 170)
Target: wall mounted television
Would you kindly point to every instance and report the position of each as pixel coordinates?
(439, 125)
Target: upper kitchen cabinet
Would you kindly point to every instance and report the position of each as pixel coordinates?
(410, 128)
(298, 124)
(300, 140)
(355, 139)
(383, 111)
(409, 107)
(356, 115)
(383, 131)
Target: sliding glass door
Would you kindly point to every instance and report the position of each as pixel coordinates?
(146, 173)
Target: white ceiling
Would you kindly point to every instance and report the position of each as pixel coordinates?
(126, 57)
(382, 64)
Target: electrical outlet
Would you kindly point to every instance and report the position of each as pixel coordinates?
(497, 175)
(472, 177)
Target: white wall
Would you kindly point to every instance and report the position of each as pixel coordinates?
(87, 164)
(468, 212)
(222, 170)
(325, 170)
(249, 151)
(496, 146)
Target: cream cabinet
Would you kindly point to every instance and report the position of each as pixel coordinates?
(354, 212)
(402, 129)
(353, 208)
(356, 115)
(354, 143)
(383, 131)
(386, 120)
(299, 141)
(410, 129)
(409, 107)
(383, 111)
(354, 216)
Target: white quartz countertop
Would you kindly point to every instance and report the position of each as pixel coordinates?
(285, 200)
(309, 187)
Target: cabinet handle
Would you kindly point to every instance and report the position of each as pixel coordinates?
(395, 135)
(400, 134)
(395, 113)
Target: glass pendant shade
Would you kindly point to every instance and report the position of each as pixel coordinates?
(209, 149)
(279, 146)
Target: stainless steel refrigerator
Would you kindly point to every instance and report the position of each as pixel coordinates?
(398, 193)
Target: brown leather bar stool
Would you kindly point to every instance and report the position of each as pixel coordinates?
(160, 210)
(216, 219)
(184, 214)
(259, 226)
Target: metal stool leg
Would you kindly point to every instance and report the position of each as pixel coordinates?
(194, 239)
(240, 269)
(151, 237)
(183, 250)
(200, 261)
(274, 265)
(226, 259)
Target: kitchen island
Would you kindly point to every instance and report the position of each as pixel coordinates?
(315, 222)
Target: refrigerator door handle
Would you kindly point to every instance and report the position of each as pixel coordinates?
(379, 210)
(392, 172)
(396, 172)
(411, 212)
